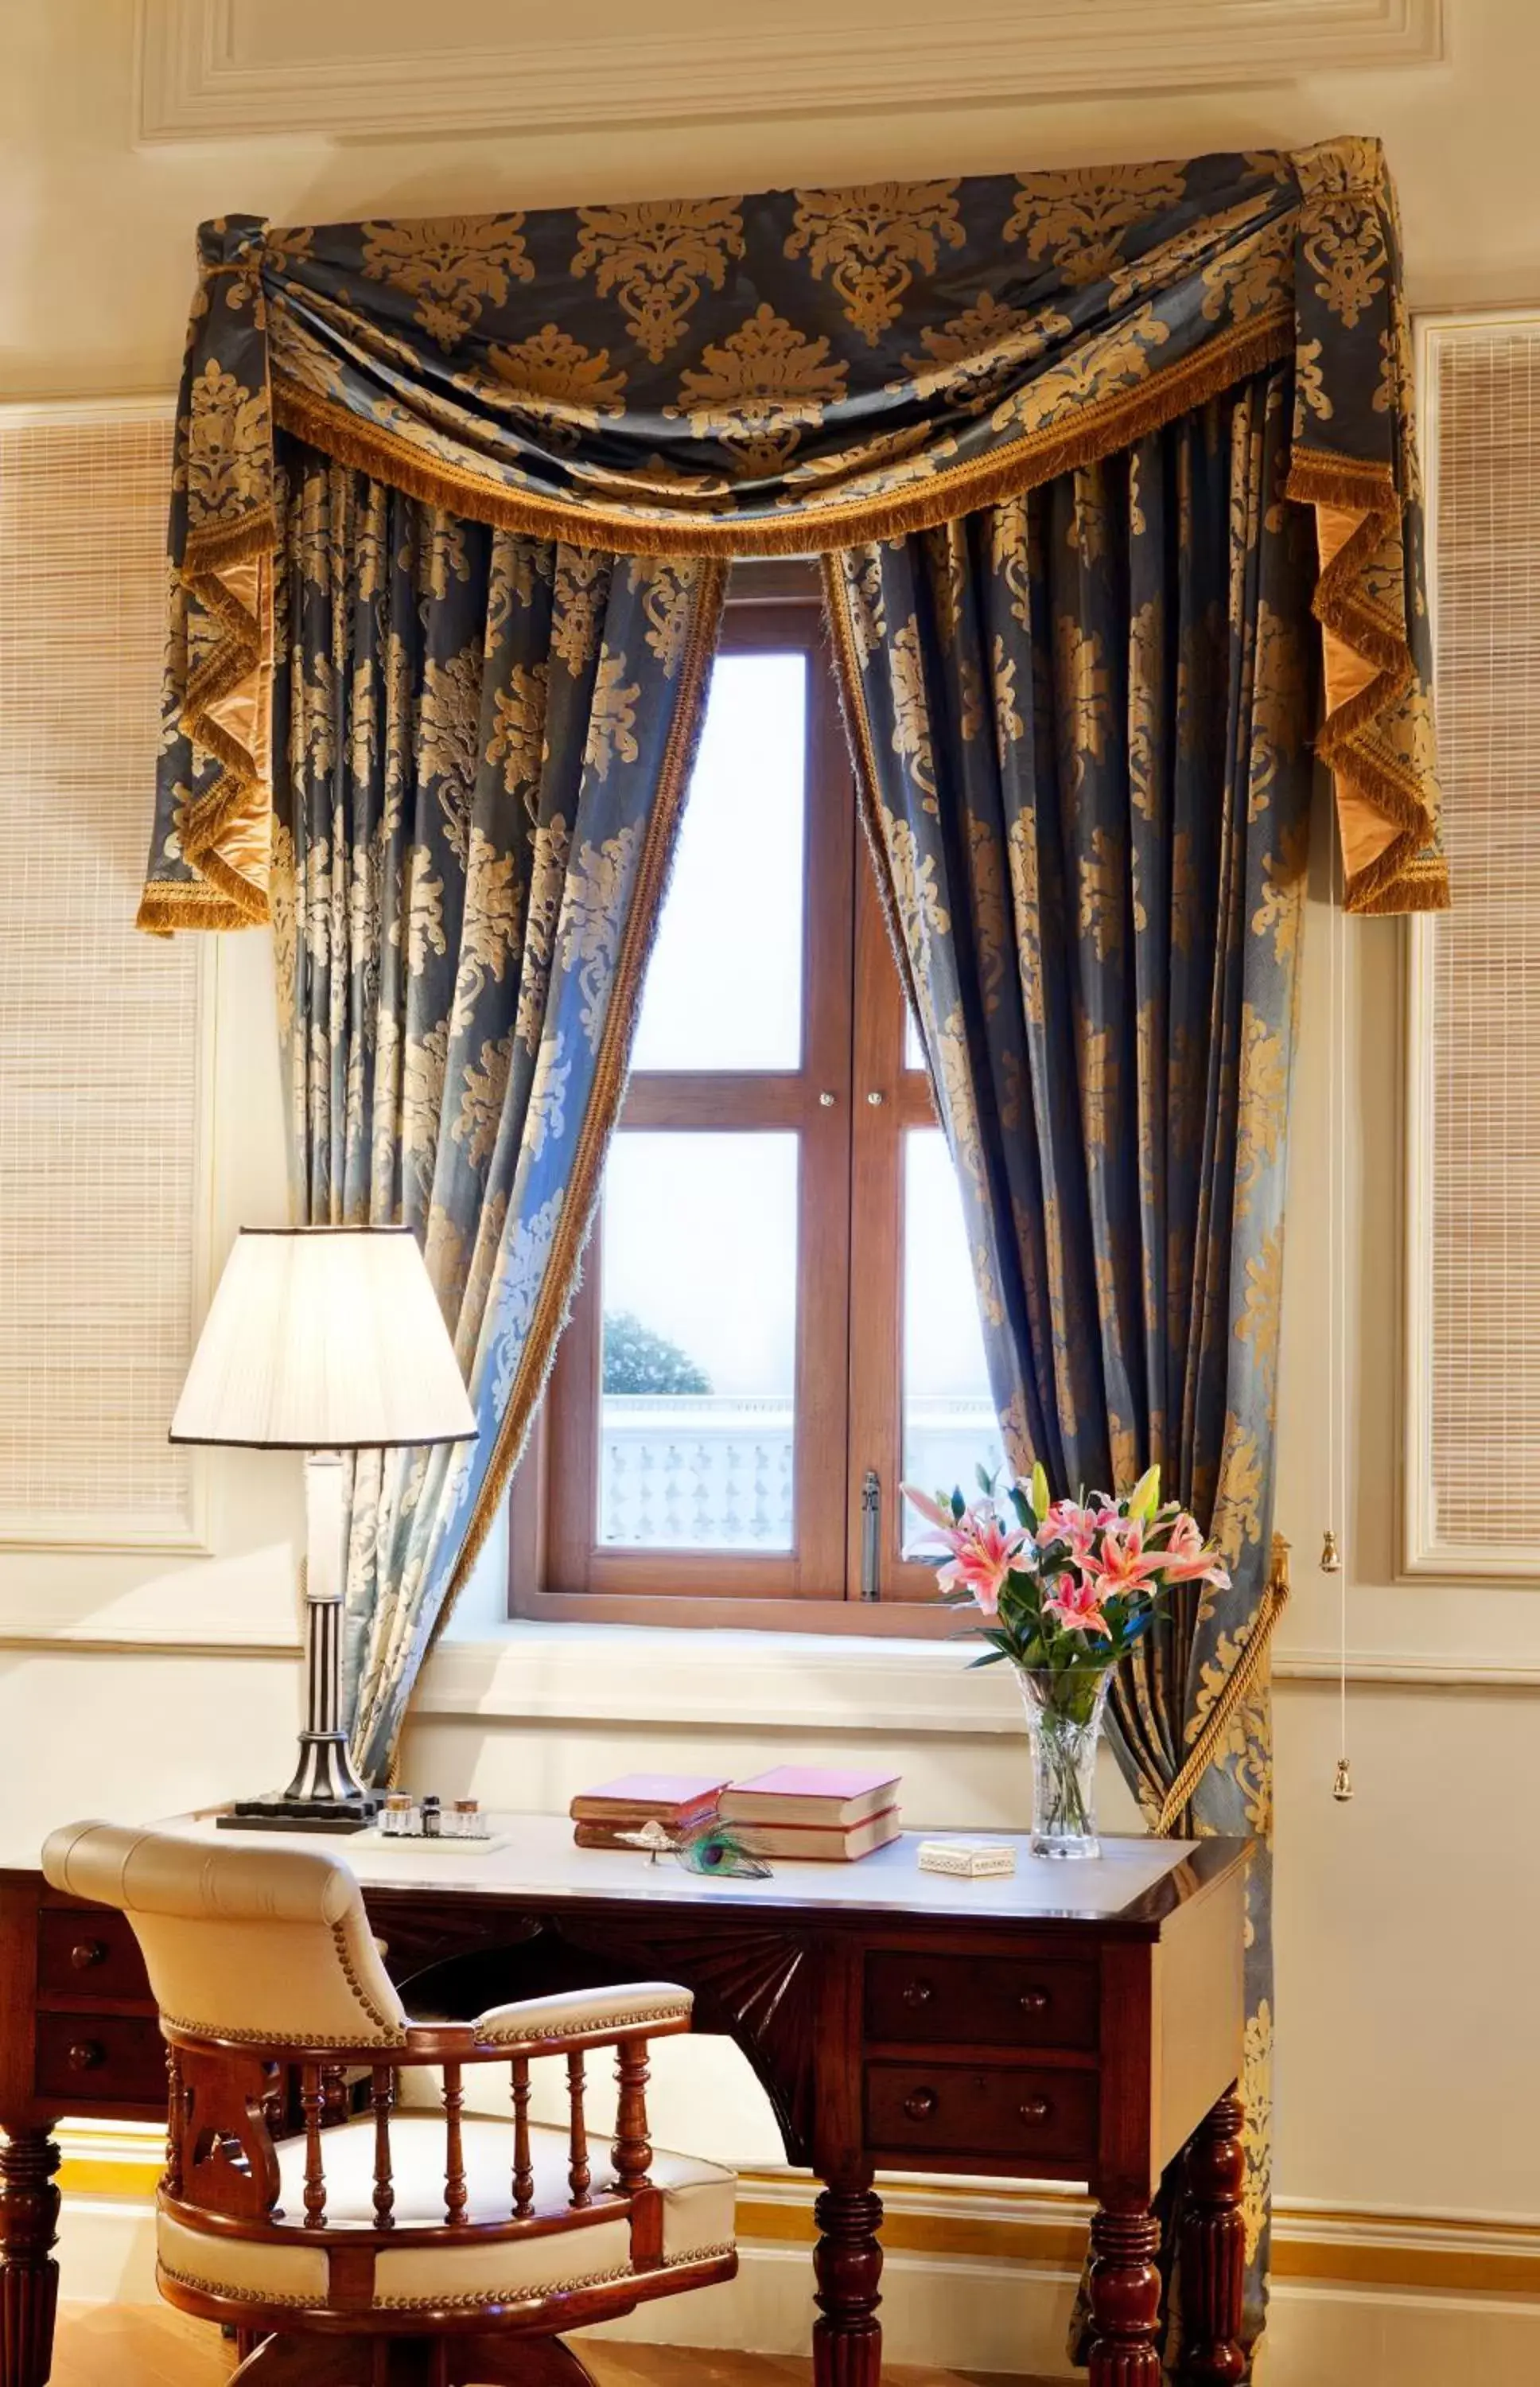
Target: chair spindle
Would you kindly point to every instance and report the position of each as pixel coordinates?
(311, 2101)
(523, 2171)
(385, 2186)
(454, 2158)
(577, 2171)
(632, 2151)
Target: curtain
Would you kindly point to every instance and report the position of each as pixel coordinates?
(795, 372)
(1081, 720)
(482, 743)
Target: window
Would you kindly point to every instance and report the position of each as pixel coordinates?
(1473, 1310)
(102, 1218)
(777, 1319)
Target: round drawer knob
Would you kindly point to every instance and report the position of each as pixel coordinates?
(918, 1993)
(85, 2054)
(87, 1953)
(920, 2104)
(1033, 2109)
(1033, 2001)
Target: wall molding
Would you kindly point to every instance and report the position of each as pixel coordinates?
(640, 1675)
(200, 77)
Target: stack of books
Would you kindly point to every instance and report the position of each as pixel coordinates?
(607, 1815)
(836, 1813)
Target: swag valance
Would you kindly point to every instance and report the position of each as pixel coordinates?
(796, 372)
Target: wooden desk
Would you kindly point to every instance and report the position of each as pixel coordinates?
(1078, 2021)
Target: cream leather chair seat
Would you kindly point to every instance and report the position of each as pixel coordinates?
(697, 2221)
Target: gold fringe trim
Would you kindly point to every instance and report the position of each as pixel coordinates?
(602, 1107)
(1238, 1682)
(1097, 429)
(169, 905)
(1402, 878)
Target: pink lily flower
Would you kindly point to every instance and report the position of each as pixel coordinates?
(1068, 1521)
(982, 1551)
(1187, 1558)
(1123, 1567)
(1077, 1605)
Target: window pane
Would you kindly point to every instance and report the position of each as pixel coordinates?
(950, 1427)
(699, 1259)
(725, 983)
(914, 1050)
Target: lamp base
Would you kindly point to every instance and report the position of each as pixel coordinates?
(282, 1813)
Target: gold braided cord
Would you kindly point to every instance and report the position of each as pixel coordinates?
(1238, 1682)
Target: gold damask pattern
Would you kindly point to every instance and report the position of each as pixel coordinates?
(810, 368)
(757, 391)
(1098, 908)
(482, 772)
(869, 240)
(1079, 221)
(450, 269)
(656, 259)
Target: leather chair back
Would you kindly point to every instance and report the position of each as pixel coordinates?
(248, 1944)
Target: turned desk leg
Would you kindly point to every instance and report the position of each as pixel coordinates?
(1212, 2250)
(29, 2277)
(1125, 2298)
(847, 2261)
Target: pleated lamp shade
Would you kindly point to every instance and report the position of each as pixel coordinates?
(324, 1338)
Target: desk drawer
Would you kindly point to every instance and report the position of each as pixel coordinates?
(989, 2110)
(981, 2001)
(95, 2059)
(89, 1951)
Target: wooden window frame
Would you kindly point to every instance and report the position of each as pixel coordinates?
(849, 1387)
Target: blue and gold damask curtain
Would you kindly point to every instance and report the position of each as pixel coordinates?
(482, 744)
(1083, 726)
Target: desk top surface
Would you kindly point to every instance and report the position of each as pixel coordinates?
(1134, 1882)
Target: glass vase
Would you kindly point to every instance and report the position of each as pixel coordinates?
(1063, 1719)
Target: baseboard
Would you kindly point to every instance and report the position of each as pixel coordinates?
(982, 2277)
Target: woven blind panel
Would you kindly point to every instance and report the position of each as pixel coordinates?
(1485, 1156)
(99, 1026)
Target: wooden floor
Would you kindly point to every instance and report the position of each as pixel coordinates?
(136, 2345)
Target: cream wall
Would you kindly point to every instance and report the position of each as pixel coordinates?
(1407, 1927)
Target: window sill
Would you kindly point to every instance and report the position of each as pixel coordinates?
(630, 1673)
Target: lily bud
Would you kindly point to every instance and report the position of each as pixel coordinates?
(1145, 1498)
(1040, 1491)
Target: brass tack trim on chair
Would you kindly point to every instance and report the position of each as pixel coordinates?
(601, 2026)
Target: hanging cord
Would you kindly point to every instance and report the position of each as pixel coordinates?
(1332, 1556)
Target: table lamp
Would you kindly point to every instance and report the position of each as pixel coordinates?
(323, 1339)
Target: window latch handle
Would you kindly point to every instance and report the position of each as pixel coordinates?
(871, 1535)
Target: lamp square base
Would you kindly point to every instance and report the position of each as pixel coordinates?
(284, 1814)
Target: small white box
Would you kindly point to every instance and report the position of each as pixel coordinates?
(974, 1860)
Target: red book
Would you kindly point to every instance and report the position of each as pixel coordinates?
(674, 1798)
(822, 1843)
(833, 1796)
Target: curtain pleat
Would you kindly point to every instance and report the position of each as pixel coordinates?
(1082, 729)
(482, 748)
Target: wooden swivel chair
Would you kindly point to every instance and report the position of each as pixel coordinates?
(380, 2248)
